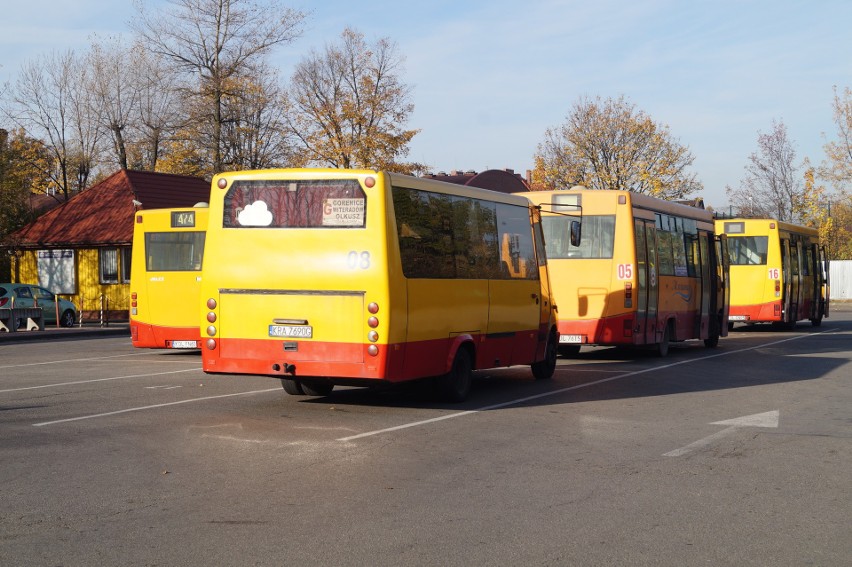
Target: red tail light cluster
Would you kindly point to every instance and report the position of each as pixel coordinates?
(373, 322)
(628, 294)
(211, 329)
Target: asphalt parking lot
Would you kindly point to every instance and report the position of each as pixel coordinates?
(732, 456)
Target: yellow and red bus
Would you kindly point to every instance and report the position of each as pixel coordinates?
(165, 277)
(647, 271)
(329, 276)
(779, 272)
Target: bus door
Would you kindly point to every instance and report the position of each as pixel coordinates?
(796, 280)
(787, 288)
(824, 278)
(812, 259)
(707, 262)
(723, 272)
(515, 299)
(647, 282)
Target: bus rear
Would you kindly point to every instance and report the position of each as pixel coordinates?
(165, 279)
(327, 276)
(646, 271)
(779, 273)
(294, 285)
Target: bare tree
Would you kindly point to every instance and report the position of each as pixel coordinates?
(160, 108)
(217, 41)
(50, 101)
(838, 167)
(348, 106)
(114, 88)
(609, 144)
(256, 134)
(771, 187)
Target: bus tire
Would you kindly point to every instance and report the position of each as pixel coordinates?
(568, 350)
(292, 387)
(454, 386)
(544, 369)
(663, 346)
(712, 341)
(317, 388)
(816, 322)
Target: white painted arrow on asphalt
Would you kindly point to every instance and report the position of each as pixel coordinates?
(766, 419)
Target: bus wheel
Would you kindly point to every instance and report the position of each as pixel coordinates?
(712, 342)
(292, 387)
(569, 350)
(454, 386)
(317, 388)
(816, 322)
(663, 346)
(544, 369)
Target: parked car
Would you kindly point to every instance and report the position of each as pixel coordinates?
(27, 295)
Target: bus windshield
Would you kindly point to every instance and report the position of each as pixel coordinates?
(748, 250)
(597, 241)
(305, 203)
(174, 251)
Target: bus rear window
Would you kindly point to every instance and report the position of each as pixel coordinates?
(317, 203)
(598, 237)
(174, 251)
(748, 250)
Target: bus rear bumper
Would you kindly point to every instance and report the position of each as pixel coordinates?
(616, 330)
(144, 335)
(760, 313)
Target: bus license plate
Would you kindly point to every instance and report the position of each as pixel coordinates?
(299, 331)
(571, 339)
(184, 344)
(737, 317)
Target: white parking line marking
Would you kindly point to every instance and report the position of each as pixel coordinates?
(98, 380)
(76, 360)
(155, 406)
(571, 388)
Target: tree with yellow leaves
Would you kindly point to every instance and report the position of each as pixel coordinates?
(347, 106)
(609, 144)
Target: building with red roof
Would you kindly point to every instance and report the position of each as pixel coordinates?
(81, 249)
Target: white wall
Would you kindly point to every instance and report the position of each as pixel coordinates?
(841, 279)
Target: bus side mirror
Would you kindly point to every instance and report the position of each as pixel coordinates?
(575, 233)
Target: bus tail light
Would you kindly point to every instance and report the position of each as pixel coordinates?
(211, 344)
(628, 327)
(628, 294)
(777, 288)
(373, 350)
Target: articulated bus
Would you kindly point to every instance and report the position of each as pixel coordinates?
(779, 272)
(329, 276)
(165, 277)
(646, 271)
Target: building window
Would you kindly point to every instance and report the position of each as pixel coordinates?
(114, 265)
(108, 265)
(125, 264)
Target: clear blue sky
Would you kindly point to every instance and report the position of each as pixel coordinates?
(489, 77)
